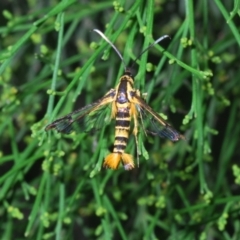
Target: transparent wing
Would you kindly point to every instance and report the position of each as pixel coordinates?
(89, 118)
(153, 123)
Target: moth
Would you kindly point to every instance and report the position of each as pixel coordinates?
(124, 104)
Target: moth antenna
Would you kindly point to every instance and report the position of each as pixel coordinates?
(112, 45)
(151, 45)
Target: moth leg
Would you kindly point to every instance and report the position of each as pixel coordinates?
(144, 96)
(134, 114)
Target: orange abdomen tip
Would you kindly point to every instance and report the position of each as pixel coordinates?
(112, 160)
(128, 162)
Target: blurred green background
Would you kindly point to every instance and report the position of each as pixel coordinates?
(53, 186)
